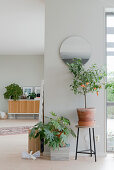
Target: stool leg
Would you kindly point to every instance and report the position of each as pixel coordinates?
(90, 141)
(94, 143)
(77, 143)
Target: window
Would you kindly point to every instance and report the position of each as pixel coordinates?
(110, 77)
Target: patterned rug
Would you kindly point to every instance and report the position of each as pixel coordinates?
(14, 130)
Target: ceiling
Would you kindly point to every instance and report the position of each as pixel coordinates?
(22, 24)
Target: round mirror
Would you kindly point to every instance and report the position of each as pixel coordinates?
(75, 47)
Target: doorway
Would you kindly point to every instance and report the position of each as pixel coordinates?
(21, 62)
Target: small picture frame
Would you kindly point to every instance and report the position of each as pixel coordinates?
(37, 90)
(27, 90)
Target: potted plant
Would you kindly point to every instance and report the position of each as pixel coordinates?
(32, 95)
(13, 91)
(86, 81)
(54, 133)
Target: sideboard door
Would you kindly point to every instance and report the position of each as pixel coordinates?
(13, 106)
(23, 106)
(36, 106)
(30, 106)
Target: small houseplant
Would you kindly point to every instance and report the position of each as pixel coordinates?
(54, 133)
(32, 95)
(86, 81)
(13, 91)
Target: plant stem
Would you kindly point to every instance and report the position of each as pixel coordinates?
(85, 100)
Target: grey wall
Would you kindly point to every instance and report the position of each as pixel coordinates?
(23, 70)
(82, 18)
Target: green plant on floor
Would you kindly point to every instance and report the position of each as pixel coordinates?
(13, 91)
(86, 80)
(54, 133)
(32, 95)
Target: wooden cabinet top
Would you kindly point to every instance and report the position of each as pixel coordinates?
(24, 100)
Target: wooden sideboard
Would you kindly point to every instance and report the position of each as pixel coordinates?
(23, 106)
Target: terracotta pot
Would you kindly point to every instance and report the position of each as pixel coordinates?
(86, 116)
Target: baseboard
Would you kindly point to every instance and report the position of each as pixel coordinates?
(72, 154)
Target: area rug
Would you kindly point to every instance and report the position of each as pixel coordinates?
(14, 130)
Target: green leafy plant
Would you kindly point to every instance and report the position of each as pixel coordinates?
(55, 133)
(86, 80)
(32, 95)
(110, 87)
(13, 91)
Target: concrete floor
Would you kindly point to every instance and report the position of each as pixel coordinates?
(12, 146)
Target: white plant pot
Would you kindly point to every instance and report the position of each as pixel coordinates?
(62, 154)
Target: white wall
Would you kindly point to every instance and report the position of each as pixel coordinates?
(82, 18)
(23, 70)
(22, 27)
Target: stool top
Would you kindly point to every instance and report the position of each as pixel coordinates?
(84, 126)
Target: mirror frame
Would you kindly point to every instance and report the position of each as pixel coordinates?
(70, 60)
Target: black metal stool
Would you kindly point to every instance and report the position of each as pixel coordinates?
(89, 151)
